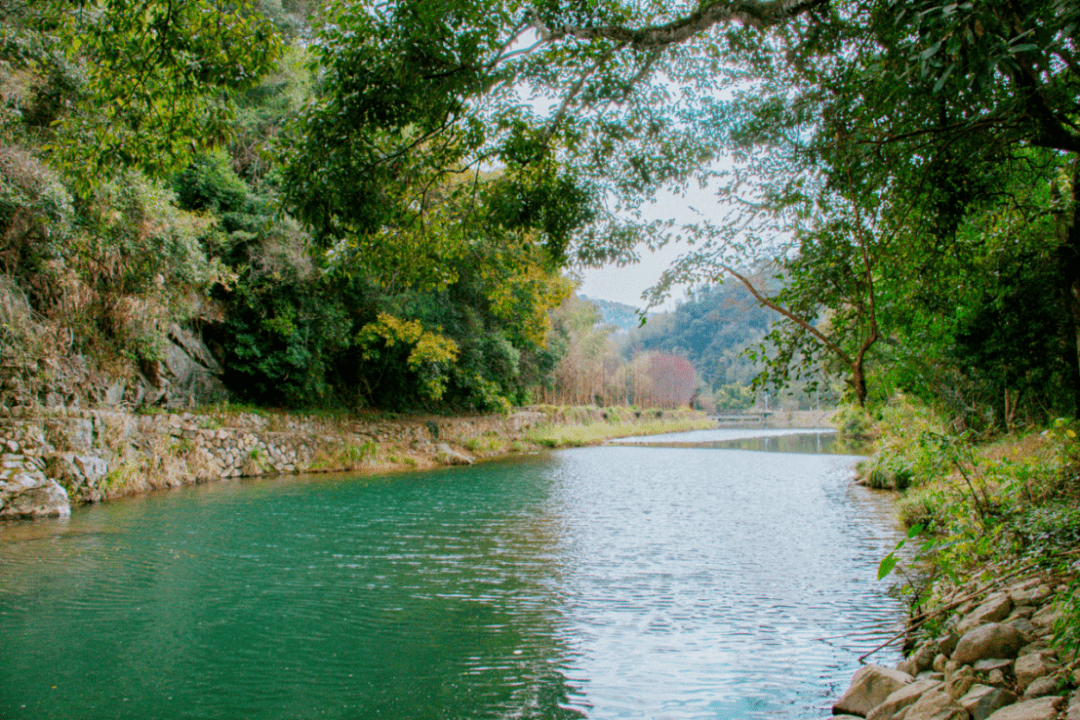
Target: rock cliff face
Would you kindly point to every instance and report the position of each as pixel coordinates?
(993, 662)
(187, 375)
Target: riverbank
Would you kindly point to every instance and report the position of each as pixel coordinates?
(986, 651)
(994, 587)
(52, 460)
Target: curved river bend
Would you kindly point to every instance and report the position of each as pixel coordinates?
(625, 581)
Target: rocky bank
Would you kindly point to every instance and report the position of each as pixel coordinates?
(992, 660)
(53, 459)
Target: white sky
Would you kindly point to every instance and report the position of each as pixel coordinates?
(626, 284)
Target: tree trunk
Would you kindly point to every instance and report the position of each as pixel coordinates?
(1069, 258)
(858, 380)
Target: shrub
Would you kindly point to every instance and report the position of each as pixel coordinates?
(210, 184)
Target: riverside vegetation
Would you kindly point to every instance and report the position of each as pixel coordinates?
(994, 583)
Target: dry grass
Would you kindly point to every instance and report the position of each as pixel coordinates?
(1029, 447)
(594, 433)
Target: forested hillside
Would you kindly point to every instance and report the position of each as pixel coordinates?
(145, 152)
(359, 204)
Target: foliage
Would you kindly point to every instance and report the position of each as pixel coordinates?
(429, 354)
(151, 78)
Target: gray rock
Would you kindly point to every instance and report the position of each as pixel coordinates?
(448, 456)
(1022, 611)
(1032, 666)
(924, 656)
(1022, 592)
(985, 666)
(936, 705)
(1074, 706)
(1041, 687)
(902, 698)
(1023, 625)
(993, 640)
(1044, 619)
(996, 607)
(908, 666)
(1045, 708)
(870, 686)
(958, 683)
(1041, 594)
(982, 701)
(931, 675)
(996, 678)
(27, 496)
(947, 643)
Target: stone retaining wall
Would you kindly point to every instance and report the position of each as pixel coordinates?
(51, 460)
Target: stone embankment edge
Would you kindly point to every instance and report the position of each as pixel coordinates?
(51, 460)
(991, 659)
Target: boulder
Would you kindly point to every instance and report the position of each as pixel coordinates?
(1044, 619)
(936, 705)
(905, 696)
(1033, 666)
(1045, 708)
(982, 701)
(947, 643)
(1074, 706)
(924, 656)
(1041, 687)
(996, 607)
(80, 475)
(32, 495)
(1022, 592)
(958, 683)
(1041, 594)
(1024, 626)
(990, 664)
(870, 686)
(993, 640)
(908, 666)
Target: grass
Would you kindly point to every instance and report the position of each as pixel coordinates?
(560, 436)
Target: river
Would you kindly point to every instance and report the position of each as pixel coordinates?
(682, 577)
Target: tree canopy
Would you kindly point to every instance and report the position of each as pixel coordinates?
(906, 170)
(859, 142)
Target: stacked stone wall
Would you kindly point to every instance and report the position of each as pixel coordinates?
(53, 459)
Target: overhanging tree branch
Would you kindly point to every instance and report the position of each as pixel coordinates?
(754, 13)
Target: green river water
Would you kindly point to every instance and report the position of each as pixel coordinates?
(697, 579)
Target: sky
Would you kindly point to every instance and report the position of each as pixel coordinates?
(626, 284)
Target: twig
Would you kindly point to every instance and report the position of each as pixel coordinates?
(957, 603)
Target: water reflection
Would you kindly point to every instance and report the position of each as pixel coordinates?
(811, 441)
(686, 582)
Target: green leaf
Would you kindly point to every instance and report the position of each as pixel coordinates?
(886, 566)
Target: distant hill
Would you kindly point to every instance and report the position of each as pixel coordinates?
(712, 328)
(621, 315)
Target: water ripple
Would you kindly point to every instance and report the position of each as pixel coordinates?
(613, 582)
